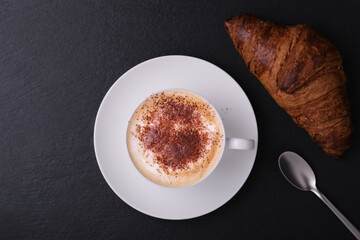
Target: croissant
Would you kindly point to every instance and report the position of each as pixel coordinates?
(302, 72)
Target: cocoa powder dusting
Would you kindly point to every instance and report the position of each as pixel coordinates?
(174, 131)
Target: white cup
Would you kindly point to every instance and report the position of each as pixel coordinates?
(229, 143)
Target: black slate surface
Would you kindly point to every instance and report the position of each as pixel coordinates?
(59, 58)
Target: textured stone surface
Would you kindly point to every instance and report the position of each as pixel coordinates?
(57, 61)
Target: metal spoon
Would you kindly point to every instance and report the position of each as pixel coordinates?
(298, 172)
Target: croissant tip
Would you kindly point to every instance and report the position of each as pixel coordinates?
(227, 24)
(337, 154)
(233, 22)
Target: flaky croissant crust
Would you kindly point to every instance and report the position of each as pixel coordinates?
(302, 71)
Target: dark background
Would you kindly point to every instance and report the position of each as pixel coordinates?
(59, 58)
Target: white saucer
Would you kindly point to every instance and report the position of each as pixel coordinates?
(135, 86)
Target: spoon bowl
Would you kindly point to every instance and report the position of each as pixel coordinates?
(297, 171)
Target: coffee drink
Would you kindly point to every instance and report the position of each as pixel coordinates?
(175, 138)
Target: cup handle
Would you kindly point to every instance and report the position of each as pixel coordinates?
(239, 143)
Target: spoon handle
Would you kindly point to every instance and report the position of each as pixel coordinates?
(345, 221)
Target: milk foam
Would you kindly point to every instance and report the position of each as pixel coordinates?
(145, 159)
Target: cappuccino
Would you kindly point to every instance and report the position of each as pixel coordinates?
(175, 138)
